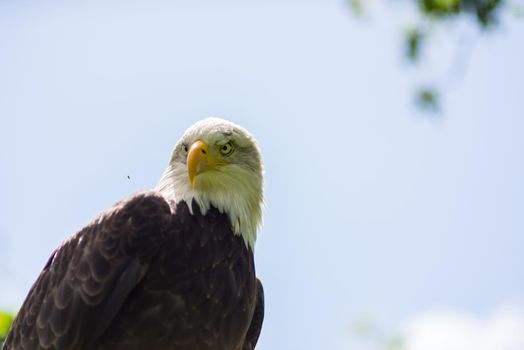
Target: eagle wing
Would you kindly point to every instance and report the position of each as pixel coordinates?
(256, 322)
(87, 279)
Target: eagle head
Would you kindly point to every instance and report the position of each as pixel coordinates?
(217, 163)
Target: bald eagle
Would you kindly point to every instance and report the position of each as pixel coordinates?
(170, 268)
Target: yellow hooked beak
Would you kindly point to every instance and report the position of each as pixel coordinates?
(199, 160)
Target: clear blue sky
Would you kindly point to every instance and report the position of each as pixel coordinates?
(374, 210)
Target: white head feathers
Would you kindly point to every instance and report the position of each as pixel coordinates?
(233, 180)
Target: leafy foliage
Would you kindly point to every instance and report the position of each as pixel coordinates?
(485, 11)
(434, 14)
(371, 334)
(428, 99)
(414, 38)
(5, 323)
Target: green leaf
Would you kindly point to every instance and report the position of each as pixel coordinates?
(357, 7)
(428, 99)
(414, 40)
(440, 8)
(446, 5)
(5, 323)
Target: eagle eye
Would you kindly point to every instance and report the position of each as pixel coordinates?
(226, 149)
